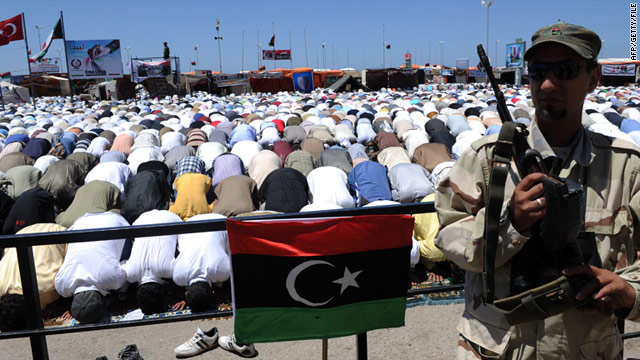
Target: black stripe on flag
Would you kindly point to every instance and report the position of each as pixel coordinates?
(319, 281)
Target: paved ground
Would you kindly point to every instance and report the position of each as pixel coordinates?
(429, 334)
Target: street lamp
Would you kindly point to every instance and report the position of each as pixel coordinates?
(218, 37)
(39, 41)
(60, 58)
(442, 53)
(195, 47)
(324, 56)
(487, 5)
(496, 59)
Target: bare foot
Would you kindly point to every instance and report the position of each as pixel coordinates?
(435, 277)
(67, 316)
(180, 305)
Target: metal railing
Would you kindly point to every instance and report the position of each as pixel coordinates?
(24, 242)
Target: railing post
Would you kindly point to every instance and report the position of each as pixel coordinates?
(361, 342)
(31, 295)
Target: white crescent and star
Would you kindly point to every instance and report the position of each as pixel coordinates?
(13, 28)
(347, 280)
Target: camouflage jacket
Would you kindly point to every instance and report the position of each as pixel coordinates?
(608, 169)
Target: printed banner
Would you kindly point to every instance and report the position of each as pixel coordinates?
(476, 72)
(446, 72)
(303, 82)
(279, 54)
(223, 80)
(94, 59)
(515, 54)
(267, 75)
(150, 69)
(619, 70)
(46, 65)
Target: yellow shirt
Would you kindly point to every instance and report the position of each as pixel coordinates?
(192, 195)
(425, 229)
(47, 260)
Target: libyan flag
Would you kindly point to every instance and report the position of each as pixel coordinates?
(56, 33)
(318, 278)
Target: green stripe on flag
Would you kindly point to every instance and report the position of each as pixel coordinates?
(255, 325)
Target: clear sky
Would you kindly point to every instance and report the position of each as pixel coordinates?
(351, 29)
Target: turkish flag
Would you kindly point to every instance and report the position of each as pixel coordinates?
(11, 30)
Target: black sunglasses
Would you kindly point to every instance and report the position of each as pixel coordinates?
(565, 70)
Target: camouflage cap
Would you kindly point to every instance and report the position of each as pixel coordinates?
(580, 39)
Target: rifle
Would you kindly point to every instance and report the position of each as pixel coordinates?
(554, 239)
(527, 160)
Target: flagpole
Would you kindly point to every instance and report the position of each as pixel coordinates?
(2, 97)
(273, 28)
(64, 40)
(26, 44)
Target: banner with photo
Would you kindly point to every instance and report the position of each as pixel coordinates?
(619, 70)
(278, 54)
(303, 82)
(223, 80)
(515, 54)
(267, 75)
(94, 59)
(141, 70)
(46, 65)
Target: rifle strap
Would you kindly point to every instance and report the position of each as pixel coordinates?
(501, 164)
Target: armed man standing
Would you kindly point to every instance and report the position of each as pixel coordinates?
(535, 288)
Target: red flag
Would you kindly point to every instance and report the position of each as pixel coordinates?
(11, 30)
(272, 42)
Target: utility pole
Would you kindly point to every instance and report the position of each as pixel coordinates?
(383, 51)
(259, 45)
(218, 37)
(242, 67)
(197, 57)
(324, 56)
(129, 58)
(305, 48)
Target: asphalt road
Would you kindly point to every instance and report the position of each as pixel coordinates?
(429, 333)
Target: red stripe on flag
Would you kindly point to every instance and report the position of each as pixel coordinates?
(317, 237)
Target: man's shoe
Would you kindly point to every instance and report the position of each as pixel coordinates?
(229, 343)
(199, 343)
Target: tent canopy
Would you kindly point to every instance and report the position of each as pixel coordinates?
(14, 93)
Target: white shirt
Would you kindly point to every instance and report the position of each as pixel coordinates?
(172, 139)
(246, 150)
(114, 172)
(203, 256)
(143, 154)
(152, 258)
(93, 265)
(329, 184)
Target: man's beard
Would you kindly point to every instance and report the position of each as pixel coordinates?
(549, 114)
